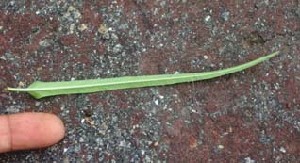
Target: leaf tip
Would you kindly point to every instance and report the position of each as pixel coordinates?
(9, 89)
(273, 54)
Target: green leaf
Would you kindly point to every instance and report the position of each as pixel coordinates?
(40, 89)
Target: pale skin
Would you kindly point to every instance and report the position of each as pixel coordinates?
(25, 131)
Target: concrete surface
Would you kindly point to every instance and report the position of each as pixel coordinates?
(248, 117)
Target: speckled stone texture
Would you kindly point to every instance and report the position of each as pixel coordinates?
(249, 117)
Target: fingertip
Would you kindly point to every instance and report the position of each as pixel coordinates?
(55, 126)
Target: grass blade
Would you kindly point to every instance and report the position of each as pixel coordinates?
(40, 89)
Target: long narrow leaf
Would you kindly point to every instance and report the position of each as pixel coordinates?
(40, 89)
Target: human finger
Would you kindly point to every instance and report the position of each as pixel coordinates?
(29, 131)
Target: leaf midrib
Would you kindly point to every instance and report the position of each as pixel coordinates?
(176, 76)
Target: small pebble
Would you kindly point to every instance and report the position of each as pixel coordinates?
(221, 146)
(225, 15)
(283, 150)
(117, 48)
(82, 27)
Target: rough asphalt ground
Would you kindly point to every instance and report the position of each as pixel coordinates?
(253, 116)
